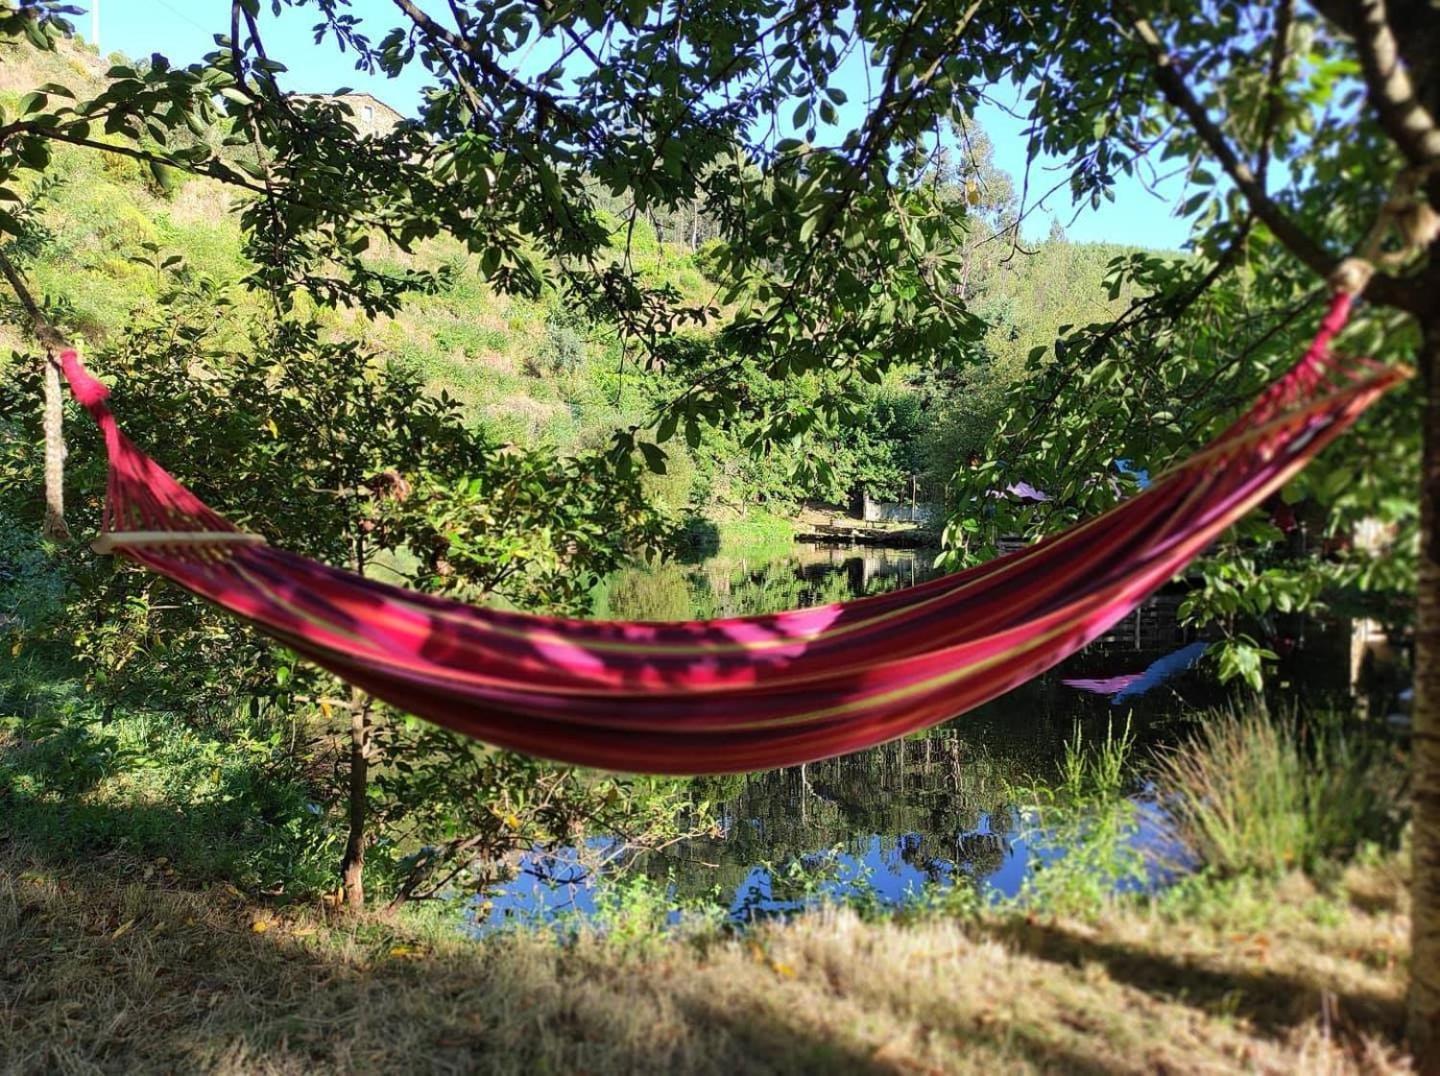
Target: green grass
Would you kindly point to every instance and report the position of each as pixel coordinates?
(221, 798)
(1262, 793)
(755, 535)
(1081, 828)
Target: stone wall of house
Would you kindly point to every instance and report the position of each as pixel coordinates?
(371, 116)
(902, 511)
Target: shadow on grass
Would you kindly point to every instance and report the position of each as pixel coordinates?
(1275, 1002)
(249, 822)
(782, 1046)
(101, 969)
(104, 968)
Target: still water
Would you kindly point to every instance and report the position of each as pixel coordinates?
(932, 810)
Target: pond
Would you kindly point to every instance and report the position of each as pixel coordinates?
(934, 810)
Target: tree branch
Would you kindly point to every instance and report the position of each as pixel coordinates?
(1403, 115)
(1279, 53)
(56, 134)
(436, 33)
(1382, 289)
(46, 333)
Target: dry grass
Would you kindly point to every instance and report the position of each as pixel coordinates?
(103, 969)
(22, 68)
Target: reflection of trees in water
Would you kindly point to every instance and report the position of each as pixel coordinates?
(738, 586)
(936, 802)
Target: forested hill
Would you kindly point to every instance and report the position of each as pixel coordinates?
(119, 242)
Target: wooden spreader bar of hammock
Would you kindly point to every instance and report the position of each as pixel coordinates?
(745, 693)
(111, 541)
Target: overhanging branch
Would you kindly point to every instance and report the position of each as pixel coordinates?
(1402, 114)
(1309, 251)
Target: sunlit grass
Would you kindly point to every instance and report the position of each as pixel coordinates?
(759, 534)
(115, 966)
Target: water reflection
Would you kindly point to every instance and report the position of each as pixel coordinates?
(933, 810)
(1133, 685)
(796, 576)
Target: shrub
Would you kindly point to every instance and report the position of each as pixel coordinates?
(31, 587)
(1254, 793)
(564, 345)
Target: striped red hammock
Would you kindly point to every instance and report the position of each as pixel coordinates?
(741, 694)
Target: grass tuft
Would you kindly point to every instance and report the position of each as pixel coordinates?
(1256, 793)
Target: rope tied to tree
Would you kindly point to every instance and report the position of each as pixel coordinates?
(1408, 216)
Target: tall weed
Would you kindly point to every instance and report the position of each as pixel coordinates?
(1256, 793)
(1082, 833)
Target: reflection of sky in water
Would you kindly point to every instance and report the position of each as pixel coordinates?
(1133, 685)
(890, 870)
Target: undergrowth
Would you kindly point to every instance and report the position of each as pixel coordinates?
(1260, 793)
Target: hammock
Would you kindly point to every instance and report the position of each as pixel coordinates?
(739, 694)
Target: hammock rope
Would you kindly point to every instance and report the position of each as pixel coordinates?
(747, 693)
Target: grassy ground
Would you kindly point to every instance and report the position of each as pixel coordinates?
(113, 966)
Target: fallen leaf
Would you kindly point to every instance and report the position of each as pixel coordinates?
(122, 929)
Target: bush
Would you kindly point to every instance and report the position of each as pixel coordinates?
(1260, 794)
(564, 345)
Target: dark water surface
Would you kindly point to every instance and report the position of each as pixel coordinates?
(932, 810)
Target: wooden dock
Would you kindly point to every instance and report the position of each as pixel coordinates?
(854, 532)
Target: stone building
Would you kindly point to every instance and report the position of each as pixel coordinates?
(371, 116)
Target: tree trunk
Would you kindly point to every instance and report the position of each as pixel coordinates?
(1424, 1014)
(54, 405)
(54, 526)
(352, 867)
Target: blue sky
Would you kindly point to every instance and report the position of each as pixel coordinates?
(183, 31)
